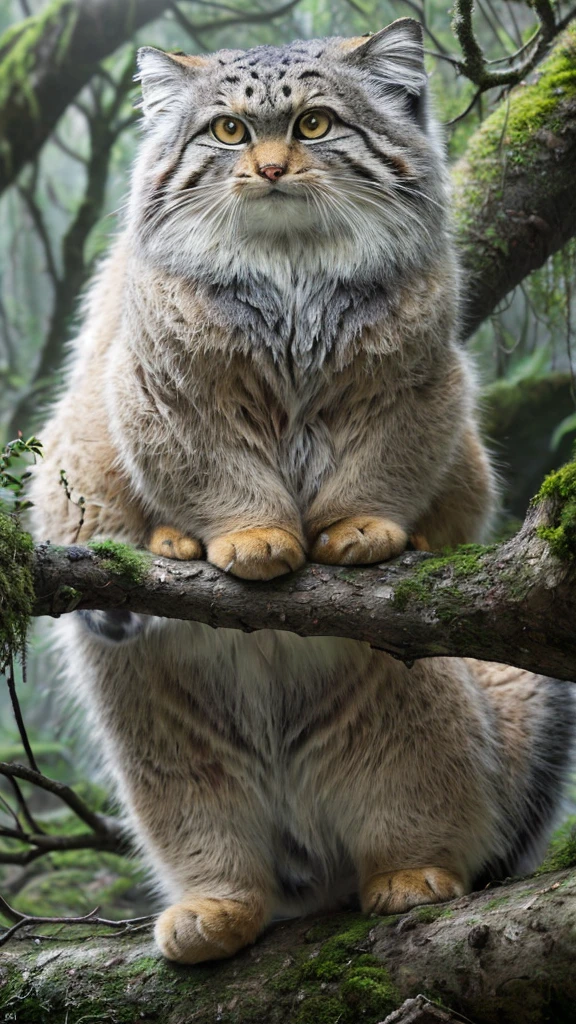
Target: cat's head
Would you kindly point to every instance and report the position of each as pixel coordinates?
(318, 146)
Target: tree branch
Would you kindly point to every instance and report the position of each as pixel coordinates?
(515, 603)
(505, 954)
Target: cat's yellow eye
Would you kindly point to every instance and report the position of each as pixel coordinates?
(314, 124)
(230, 130)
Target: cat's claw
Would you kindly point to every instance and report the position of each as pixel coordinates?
(359, 540)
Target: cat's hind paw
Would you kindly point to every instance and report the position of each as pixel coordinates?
(359, 540)
(260, 553)
(395, 892)
(171, 543)
(199, 929)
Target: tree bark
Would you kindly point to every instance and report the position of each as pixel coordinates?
(501, 956)
(514, 603)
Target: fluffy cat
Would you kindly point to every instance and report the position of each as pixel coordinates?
(268, 372)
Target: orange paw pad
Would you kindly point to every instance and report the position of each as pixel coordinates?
(395, 892)
(173, 544)
(199, 929)
(359, 540)
(257, 554)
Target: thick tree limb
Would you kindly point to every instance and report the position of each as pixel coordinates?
(515, 603)
(502, 955)
(515, 199)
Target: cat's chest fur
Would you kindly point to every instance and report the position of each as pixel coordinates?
(276, 367)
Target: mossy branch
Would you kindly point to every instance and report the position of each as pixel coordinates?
(514, 603)
(515, 201)
(504, 954)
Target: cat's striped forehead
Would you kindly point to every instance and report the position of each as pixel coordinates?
(272, 76)
(280, 77)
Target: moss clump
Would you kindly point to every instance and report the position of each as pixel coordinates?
(426, 915)
(16, 586)
(560, 487)
(422, 587)
(354, 986)
(122, 560)
(561, 852)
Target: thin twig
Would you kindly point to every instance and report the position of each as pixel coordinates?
(24, 920)
(467, 109)
(68, 150)
(32, 824)
(18, 716)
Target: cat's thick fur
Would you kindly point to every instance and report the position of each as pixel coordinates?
(267, 372)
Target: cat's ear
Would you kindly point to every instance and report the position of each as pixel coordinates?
(163, 76)
(394, 56)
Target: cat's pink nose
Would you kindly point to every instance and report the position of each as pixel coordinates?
(272, 171)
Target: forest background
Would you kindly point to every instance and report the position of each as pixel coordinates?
(57, 219)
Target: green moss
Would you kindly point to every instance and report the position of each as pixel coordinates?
(428, 914)
(499, 901)
(561, 852)
(19, 49)
(510, 137)
(16, 586)
(121, 983)
(353, 986)
(122, 560)
(560, 488)
(422, 587)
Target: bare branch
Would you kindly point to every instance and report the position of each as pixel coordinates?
(18, 716)
(27, 195)
(475, 66)
(97, 822)
(466, 111)
(241, 18)
(26, 920)
(65, 148)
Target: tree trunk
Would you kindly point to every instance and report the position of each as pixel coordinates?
(502, 956)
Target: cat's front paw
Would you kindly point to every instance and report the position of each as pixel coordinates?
(172, 543)
(359, 540)
(395, 892)
(257, 554)
(200, 929)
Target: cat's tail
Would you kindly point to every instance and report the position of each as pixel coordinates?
(115, 626)
(546, 716)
